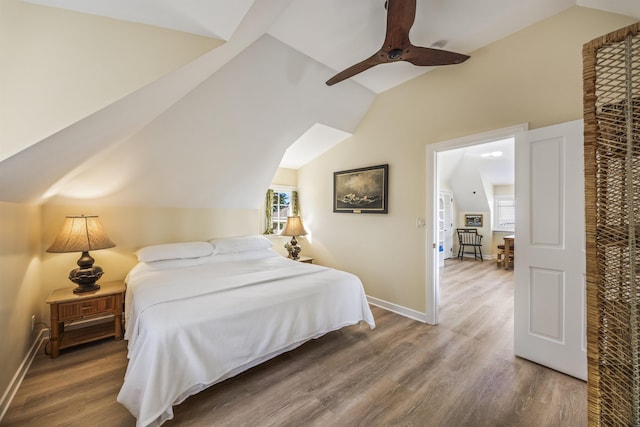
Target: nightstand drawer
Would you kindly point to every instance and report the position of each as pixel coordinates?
(75, 310)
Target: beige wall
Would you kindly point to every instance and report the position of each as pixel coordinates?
(20, 292)
(65, 65)
(533, 76)
(131, 228)
(285, 177)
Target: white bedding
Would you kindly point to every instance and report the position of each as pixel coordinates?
(193, 323)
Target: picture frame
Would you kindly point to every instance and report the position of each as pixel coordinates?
(473, 220)
(363, 190)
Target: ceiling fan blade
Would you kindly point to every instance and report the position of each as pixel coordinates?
(372, 61)
(427, 56)
(400, 17)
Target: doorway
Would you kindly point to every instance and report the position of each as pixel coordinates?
(467, 185)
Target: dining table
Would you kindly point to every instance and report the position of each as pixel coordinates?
(508, 247)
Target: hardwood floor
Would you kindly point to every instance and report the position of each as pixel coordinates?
(404, 373)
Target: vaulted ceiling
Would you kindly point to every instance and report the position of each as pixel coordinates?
(212, 130)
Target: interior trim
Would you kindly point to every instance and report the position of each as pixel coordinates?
(15, 383)
(398, 309)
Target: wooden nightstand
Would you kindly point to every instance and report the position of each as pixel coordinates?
(306, 259)
(65, 306)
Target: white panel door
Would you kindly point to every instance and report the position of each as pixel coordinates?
(550, 249)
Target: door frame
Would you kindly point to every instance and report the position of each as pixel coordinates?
(432, 272)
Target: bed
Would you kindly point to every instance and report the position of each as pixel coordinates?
(197, 313)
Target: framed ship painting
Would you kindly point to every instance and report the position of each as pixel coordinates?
(361, 190)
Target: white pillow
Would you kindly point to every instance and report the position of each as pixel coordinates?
(174, 251)
(240, 244)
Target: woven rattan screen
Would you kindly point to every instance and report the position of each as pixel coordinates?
(612, 179)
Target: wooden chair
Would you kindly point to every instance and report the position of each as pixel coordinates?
(469, 237)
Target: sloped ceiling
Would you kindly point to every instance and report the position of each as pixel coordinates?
(213, 132)
(472, 172)
(201, 153)
(218, 19)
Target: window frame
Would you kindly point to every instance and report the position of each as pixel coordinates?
(276, 224)
(496, 212)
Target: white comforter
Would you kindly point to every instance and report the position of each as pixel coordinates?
(191, 326)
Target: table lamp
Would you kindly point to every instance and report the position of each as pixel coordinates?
(293, 228)
(82, 234)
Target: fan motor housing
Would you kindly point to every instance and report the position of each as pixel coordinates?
(395, 54)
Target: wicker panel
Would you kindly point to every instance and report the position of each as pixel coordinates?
(612, 179)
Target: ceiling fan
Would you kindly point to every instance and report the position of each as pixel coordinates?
(397, 47)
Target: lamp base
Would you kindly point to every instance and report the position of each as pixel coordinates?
(293, 249)
(86, 276)
(86, 288)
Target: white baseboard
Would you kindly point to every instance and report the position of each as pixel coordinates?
(14, 385)
(484, 257)
(398, 309)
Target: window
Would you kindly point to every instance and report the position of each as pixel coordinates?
(504, 213)
(280, 209)
(280, 203)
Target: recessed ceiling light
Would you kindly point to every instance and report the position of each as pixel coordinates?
(492, 154)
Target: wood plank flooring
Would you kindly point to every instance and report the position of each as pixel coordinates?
(404, 373)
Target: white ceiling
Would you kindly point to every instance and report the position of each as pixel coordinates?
(189, 127)
(472, 172)
(338, 33)
(494, 170)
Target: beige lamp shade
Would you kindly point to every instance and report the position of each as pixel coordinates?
(81, 234)
(294, 227)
